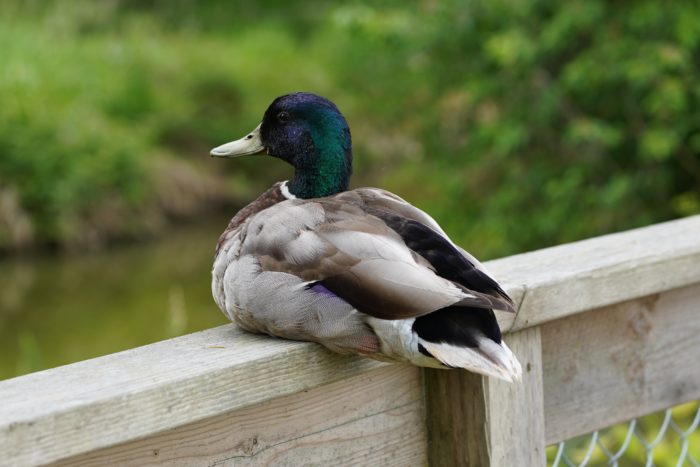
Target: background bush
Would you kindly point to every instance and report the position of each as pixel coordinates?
(517, 125)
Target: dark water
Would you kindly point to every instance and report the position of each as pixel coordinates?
(56, 310)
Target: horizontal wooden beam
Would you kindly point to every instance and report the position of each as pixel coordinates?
(620, 362)
(96, 403)
(349, 422)
(563, 280)
(91, 405)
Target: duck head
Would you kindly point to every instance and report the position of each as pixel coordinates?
(310, 133)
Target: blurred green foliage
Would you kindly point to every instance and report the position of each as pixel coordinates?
(537, 123)
(516, 124)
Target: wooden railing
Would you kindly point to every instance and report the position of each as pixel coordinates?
(607, 329)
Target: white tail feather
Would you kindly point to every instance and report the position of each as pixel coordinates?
(489, 358)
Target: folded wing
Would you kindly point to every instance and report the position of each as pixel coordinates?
(384, 264)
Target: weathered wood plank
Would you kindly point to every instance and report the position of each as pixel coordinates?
(101, 402)
(371, 419)
(567, 279)
(516, 411)
(454, 399)
(476, 421)
(620, 362)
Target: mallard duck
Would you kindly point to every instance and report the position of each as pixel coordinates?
(359, 271)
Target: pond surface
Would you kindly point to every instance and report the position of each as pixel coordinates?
(59, 309)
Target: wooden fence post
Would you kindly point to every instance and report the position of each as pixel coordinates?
(477, 421)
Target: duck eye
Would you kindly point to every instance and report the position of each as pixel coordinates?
(283, 116)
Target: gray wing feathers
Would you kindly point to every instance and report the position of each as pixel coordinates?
(291, 246)
(357, 255)
(385, 200)
(292, 311)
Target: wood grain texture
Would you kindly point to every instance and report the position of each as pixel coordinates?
(515, 412)
(620, 362)
(454, 400)
(575, 277)
(477, 421)
(97, 403)
(371, 419)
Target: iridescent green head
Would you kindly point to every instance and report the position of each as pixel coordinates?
(309, 132)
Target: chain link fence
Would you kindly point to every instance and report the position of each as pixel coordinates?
(668, 438)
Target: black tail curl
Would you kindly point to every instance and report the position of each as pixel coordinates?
(457, 326)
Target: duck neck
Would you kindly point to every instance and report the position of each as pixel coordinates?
(325, 171)
(316, 183)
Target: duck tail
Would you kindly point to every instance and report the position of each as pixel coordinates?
(469, 338)
(488, 358)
